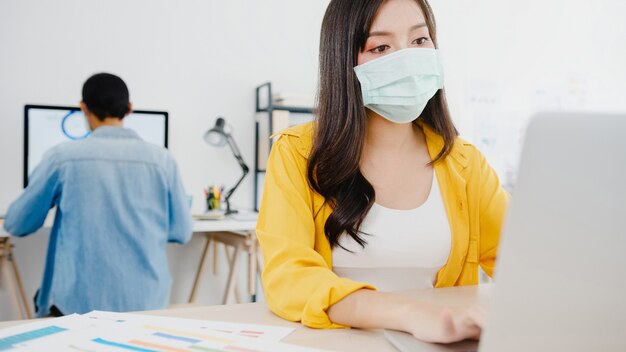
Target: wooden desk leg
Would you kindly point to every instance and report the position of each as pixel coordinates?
(252, 265)
(20, 286)
(230, 284)
(229, 259)
(6, 273)
(201, 267)
(215, 261)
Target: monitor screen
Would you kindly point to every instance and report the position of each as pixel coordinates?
(47, 126)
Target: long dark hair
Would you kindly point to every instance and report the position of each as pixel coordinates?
(333, 169)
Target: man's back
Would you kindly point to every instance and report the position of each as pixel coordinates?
(119, 201)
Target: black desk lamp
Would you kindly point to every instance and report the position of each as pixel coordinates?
(218, 137)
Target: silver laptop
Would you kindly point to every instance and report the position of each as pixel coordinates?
(404, 342)
(561, 271)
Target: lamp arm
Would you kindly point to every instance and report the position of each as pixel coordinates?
(230, 191)
(236, 153)
(242, 164)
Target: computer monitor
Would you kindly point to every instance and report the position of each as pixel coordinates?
(47, 126)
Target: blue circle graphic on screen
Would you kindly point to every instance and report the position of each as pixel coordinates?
(74, 126)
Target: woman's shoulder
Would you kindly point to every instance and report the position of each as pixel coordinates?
(298, 138)
(463, 153)
(466, 155)
(467, 149)
(302, 130)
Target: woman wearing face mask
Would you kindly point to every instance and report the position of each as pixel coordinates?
(378, 194)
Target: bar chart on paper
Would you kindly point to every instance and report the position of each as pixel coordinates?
(22, 338)
(105, 331)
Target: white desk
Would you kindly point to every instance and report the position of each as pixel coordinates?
(238, 234)
(330, 339)
(246, 223)
(12, 276)
(227, 224)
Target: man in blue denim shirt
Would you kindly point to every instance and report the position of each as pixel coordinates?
(119, 202)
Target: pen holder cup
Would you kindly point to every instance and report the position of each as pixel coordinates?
(213, 203)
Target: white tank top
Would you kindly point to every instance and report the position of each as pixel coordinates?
(405, 248)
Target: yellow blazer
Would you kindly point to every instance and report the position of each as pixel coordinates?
(298, 279)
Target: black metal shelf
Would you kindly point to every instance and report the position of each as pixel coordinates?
(293, 109)
(269, 108)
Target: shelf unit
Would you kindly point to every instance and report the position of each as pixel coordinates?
(265, 105)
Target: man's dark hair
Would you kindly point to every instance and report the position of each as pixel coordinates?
(106, 95)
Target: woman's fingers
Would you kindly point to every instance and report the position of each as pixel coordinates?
(478, 314)
(469, 322)
(448, 326)
(452, 324)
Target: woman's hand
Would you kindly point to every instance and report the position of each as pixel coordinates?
(442, 324)
(426, 321)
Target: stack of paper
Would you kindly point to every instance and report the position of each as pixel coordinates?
(106, 331)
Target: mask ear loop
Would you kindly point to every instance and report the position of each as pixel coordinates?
(441, 57)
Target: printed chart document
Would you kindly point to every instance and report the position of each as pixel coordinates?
(106, 331)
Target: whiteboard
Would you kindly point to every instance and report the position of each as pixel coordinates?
(507, 60)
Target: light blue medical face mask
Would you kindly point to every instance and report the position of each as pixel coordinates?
(399, 85)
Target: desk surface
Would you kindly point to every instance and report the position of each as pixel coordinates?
(227, 224)
(245, 222)
(332, 339)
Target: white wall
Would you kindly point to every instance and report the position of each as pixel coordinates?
(504, 60)
(195, 59)
(507, 60)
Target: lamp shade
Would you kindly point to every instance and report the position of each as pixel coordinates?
(216, 136)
